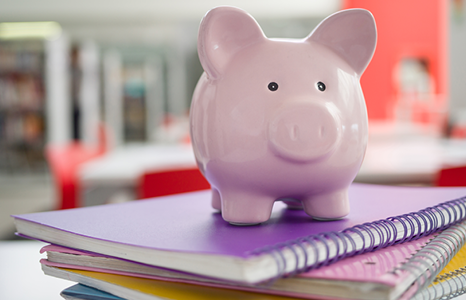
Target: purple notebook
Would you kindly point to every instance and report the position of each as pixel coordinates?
(183, 232)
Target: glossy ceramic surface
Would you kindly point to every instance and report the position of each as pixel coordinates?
(281, 118)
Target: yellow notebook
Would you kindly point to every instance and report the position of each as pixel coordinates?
(450, 282)
(456, 266)
(139, 288)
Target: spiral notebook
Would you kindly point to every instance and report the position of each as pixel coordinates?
(450, 282)
(182, 232)
(384, 274)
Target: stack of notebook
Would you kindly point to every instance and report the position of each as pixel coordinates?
(392, 245)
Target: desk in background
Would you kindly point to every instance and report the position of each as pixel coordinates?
(114, 176)
(409, 160)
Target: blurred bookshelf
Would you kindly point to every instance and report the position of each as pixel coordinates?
(58, 90)
(22, 105)
(134, 103)
(143, 87)
(142, 67)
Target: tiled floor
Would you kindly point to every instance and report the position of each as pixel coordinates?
(20, 194)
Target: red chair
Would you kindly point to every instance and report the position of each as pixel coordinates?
(454, 176)
(167, 182)
(64, 161)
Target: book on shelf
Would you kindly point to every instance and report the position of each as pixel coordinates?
(387, 273)
(182, 232)
(22, 104)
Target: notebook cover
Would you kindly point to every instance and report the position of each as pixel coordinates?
(450, 282)
(374, 266)
(254, 289)
(387, 265)
(456, 266)
(157, 289)
(187, 222)
(79, 291)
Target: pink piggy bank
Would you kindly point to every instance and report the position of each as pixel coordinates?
(281, 119)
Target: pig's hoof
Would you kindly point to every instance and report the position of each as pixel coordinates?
(327, 219)
(243, 224)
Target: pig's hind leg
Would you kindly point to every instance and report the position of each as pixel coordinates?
(327, 206)
(242, 208)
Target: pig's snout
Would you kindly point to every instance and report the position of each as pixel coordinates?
(303, 132)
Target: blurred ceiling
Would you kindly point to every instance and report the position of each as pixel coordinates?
(153, 11)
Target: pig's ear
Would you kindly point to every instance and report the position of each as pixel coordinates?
(223, 32)
(351, 34)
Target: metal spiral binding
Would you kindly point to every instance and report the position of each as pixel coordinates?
(452, 284)
(431, 259)
(314, 251)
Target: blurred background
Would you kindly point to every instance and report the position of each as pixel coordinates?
(95, 95)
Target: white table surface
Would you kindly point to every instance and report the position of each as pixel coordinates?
(21, 277)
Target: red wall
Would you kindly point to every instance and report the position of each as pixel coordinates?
(416, 28)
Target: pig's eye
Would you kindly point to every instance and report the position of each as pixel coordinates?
(273, 86)
(321, 86)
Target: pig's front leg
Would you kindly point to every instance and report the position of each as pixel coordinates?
(243, 208)
(328, 206)
(216, 201)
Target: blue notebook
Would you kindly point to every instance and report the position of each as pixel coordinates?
(83, 292)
